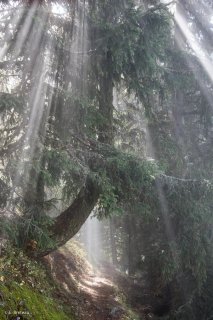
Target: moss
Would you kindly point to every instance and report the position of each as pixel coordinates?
(23, 300)
(25, 289)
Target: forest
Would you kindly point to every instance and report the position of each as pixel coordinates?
(106, 159)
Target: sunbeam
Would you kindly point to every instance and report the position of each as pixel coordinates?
(199, 52)
(164, 207)
(106, 173)
(14, 22)
(40, 67)
(24, 32)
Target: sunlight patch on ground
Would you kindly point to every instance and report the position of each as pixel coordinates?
(94, 285)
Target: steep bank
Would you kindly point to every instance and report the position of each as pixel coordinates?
(65, 286)
(27, 291)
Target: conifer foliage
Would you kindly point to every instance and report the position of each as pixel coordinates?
(101, 107)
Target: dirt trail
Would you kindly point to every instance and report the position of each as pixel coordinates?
(92, 294)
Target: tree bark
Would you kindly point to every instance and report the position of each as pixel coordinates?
(113, 242)
(105, 127)
(69, 222)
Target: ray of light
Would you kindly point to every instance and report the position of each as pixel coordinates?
(36, 101)
(161, 195)
(35, 40)
(23, 36)
(207, 92)
(91, 231)
(199, 52)
(93, 239)
(164, 207)
(39, 92)
(23, 33)
(164, 212)
(14, 22)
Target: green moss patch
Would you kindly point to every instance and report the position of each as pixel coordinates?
(18, 299)
(26, 290)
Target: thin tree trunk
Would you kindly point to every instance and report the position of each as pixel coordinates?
(129, 244)
(113, 242)
(106, 102)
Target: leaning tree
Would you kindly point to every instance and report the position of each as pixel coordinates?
(67, 145)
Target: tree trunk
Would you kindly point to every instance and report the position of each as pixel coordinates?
(129, 244)
(69, 222)
(113, 242)
(105, 127)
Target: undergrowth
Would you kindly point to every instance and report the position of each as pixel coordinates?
(26, 291)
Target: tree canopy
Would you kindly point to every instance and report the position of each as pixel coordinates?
(108, 105)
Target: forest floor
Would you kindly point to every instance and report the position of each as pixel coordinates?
(102, 294)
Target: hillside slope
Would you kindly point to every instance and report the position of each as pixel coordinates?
(101, 293)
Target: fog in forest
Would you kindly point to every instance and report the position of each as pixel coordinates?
(106, 159)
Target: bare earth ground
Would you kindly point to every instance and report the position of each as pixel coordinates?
(95, 295)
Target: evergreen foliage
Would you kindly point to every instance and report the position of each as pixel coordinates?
(164, 205)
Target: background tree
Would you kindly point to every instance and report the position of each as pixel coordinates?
(68, 142)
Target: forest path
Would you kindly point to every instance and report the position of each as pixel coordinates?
(93, 294)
